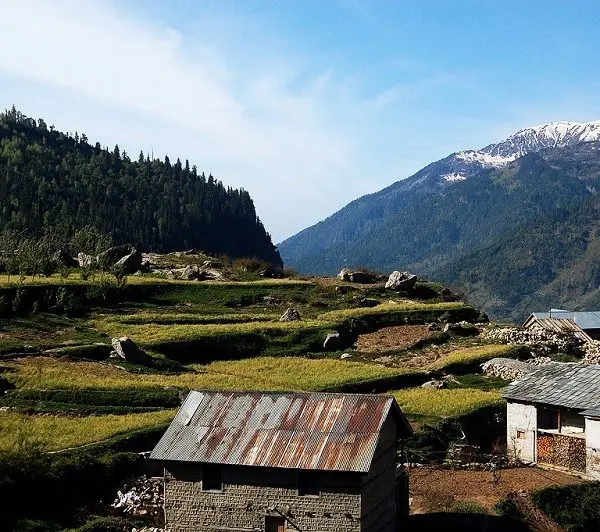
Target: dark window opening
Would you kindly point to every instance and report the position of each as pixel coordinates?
(547, 418)
(308, 483)
(211, 477)
(521, 434)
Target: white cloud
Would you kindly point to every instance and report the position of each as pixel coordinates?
(249, 127)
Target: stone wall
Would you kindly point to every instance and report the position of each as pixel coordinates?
(521, 428)
(592, 433)
(250, 494)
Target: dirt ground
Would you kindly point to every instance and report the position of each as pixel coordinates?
(433, 490)
(390, 338)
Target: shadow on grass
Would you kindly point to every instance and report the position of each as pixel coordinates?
(464, 522)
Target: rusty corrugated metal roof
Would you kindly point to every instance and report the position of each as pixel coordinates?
(326, 431)
(561, 325)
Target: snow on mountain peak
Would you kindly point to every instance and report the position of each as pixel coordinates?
(532, 139)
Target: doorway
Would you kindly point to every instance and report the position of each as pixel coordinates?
(274, 524)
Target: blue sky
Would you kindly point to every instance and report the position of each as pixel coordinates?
(306, 104)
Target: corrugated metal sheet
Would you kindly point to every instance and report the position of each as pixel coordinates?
(585, 320)
(571, 385)
(559, 325)
(324, 431)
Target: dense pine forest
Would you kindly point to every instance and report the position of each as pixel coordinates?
(54, 181)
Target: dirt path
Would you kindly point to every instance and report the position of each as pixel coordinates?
(389, 338)
(434, 490)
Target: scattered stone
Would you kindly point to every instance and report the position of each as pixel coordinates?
(130, 263)
(128, 350)
(506, 368)
(291, 314)
(62, 258)
(144, 497)
(365, 302)
(344, 275)
(271, 272)
(212, 263)
(332, 341)
(190, 273)
(84, 261)
(433, 384)
(433, 327)
(345, 356)
(462, 328)
(107, 259)
(401, 281)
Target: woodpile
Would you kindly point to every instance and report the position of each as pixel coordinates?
(562, 451)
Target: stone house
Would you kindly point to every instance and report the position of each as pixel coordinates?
(553, 417)
(274, 462)
(584, 325)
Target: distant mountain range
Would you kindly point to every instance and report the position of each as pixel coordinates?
(515, 223)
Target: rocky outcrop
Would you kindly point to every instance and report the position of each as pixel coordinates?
(401, 281)
(127, 349)
(129, 263)
(291, 314)
(357, 276)
(107, 259)
(462, 328)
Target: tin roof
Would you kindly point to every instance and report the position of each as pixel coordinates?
(585, 320)
(570, 385)
(558, 325)
(325, 431)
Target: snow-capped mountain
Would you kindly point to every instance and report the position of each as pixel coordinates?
(532, 139)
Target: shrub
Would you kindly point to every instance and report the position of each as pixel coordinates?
(576, 508)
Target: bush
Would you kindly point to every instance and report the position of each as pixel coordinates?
(576, 508)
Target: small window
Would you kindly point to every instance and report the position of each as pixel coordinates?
(308, 483)
(211, 477)
(520, 434)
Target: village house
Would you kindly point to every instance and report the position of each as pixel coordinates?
(584, 325)
(553, 417)
(273, 462)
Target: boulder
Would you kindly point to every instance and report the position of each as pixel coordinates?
(433, 384)
(84, 261)
(128, 350)
(332, 341)
(130, 263)
(63, 259)
(190, 273)
(401, 281)
(290, 314)
(344, 275)
(272, 272)
(345, 356)
(107, 259)
(461, 329)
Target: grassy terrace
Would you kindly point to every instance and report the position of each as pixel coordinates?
(53, 433)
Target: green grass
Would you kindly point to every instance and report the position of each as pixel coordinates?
(470, 356)
(60, 432)
(445, 403)
(390, 307)
(272, 373)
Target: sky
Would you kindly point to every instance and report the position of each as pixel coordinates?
(306, 104)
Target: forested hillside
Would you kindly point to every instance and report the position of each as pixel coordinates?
(53, 181)
(521, 237)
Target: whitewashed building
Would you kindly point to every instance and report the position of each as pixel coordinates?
(553, 417)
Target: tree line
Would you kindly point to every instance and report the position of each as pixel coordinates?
(53, 181)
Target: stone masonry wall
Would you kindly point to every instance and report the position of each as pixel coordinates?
(592, 433)
(246, 499)
(521, 418)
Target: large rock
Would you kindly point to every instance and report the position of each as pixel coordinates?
(357, 276)
(190, 273)
(433, 384)
(290, 314)
(63, 259)
(344, 275)
(461, 329)
(130, 263)
(332, 341)
(401, 281)
(128, 350)
(107, 259)
(84, 261)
